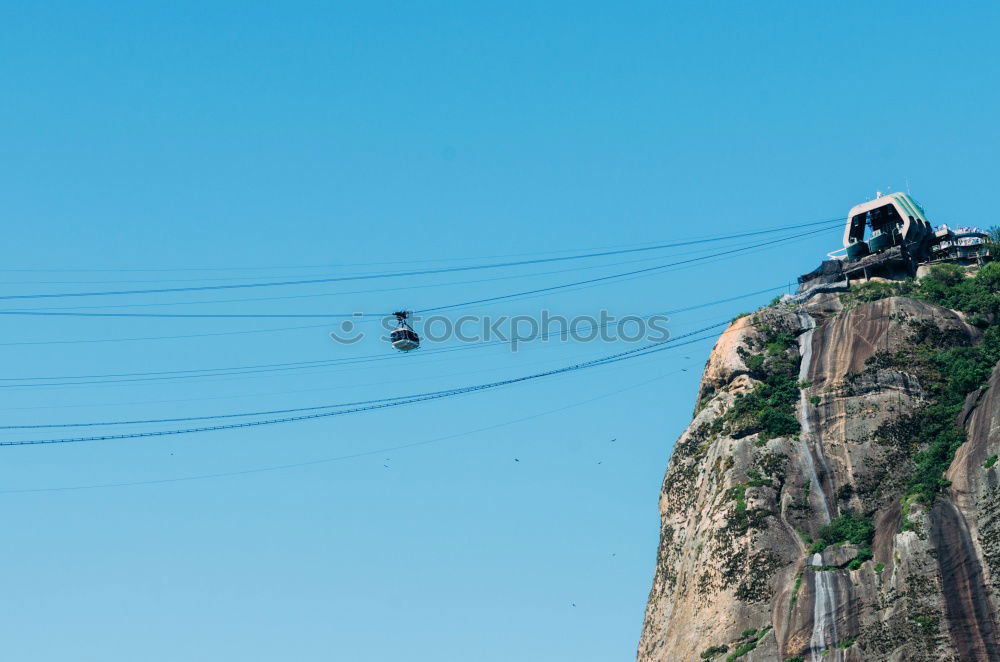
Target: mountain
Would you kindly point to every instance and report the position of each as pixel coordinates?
(836, 495)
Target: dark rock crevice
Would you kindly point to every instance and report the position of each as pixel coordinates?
(971, 621)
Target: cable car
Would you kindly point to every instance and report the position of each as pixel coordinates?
(894, 220)
(879, 241)
(403, 337)
(856, 249)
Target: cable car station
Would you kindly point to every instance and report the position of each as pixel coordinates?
(890, 237)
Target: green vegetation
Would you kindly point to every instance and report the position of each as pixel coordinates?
(803, 504)
(864, 554)
(845, 492)
(990, 461)
(742, 520)
(852, 528)
(874, 290)
(946, 285)
(755, 362)
(764, 410)
(795, 593)
(846, 643)
(714, 651)
(879, 567)
(948, 369)
(747, 642)
(815, 400)
(739, 492)
(794, 659)
(949, 375)
(993, 241)
(742, 650)
(778, 341)
(848, 527)
(745, 648)
(904, 508)
(769, 409)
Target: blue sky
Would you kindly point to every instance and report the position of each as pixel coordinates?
(144, 144)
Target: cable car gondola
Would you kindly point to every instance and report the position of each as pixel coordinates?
(403, 337)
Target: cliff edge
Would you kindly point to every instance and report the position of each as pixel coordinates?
(836, 496)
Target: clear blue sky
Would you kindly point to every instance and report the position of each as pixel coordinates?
(185, 135)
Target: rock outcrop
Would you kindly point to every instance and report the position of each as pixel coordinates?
(797, 518)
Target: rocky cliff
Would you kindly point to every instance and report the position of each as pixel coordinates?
(836, 496)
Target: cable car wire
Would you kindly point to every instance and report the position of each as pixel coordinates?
(338, 458)
(184, 336)
(441, 350)
(270, 412)
(606, 360)
(600, 279)
(420, 272)
(182, 419)
(245, 369)
(646, 270)
(398, 288)
(334, 265)
(74, 341)
(642, 247)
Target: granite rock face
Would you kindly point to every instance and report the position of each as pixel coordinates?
(739, 574)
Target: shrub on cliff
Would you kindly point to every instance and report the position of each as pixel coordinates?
(954, 373)
(946, 285)
(769, 409)
(848, 527)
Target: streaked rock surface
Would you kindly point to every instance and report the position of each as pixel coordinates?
(737, 513)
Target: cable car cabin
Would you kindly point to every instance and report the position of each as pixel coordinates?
(403, 337)
(889, 220)
(856, 249)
